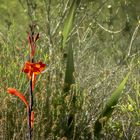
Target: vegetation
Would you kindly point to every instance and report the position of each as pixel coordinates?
(90, 87)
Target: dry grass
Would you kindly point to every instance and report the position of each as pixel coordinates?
(99, 59)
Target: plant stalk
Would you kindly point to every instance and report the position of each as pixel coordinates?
(31, 89)
(30, 108)
(29, 124)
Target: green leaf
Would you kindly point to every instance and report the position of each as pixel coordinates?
(69, 77)
(69, 20)
(107, 111)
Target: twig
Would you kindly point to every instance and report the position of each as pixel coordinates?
(132, 39)
(110, 31)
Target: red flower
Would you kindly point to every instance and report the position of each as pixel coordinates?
(33, 69)
(13, 91)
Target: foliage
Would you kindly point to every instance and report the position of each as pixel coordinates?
(107, 111)
(98, 36)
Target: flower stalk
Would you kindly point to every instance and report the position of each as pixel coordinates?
(32, 69)
(32, 51)
(30, 110)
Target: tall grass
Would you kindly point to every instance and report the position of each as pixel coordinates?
(85, 64)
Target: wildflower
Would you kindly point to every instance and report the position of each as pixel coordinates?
(33, 69)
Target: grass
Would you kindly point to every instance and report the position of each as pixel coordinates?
(98, 63)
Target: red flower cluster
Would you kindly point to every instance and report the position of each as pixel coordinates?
(33, 69)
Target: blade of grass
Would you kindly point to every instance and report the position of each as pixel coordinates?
(69, 20)
(107, 111)
(69, 78)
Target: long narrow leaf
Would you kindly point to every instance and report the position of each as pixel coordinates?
(69, 78)
(106, 113)
(69, 20)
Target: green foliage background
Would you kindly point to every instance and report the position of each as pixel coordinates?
(105, 38)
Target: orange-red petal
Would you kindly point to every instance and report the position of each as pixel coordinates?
(35, 68)
(13, 91)
(33, 81)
